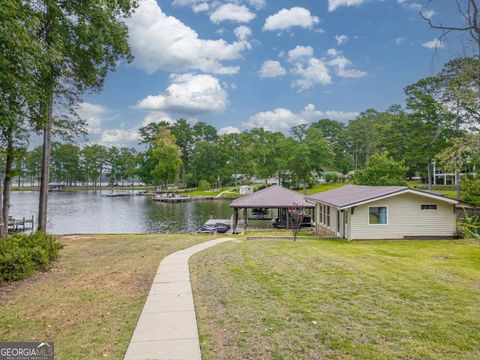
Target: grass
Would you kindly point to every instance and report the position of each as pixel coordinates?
(332, 299)
(90, 301)
(322, 187)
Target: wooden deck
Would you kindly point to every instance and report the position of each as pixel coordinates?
(23, 224)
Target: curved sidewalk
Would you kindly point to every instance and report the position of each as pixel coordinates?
(167, 327)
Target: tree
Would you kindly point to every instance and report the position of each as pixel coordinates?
(381, 170)
(83, 40)
(34, 164)
(309, 152)
(167, 156)
(20, 61)
(208, 163)
(434, 122)
(296, 215)
(335, 133)
(458, 155)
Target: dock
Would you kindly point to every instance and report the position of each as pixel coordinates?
(180, 199)
(123, 194)
(22, 224)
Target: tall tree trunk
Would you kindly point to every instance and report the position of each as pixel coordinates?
(304, 186)
(7, 182)
(457, 184)
(45, 176)
(429, 175)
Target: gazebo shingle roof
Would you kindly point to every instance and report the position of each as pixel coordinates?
(274, 196)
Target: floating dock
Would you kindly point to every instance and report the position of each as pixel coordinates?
(118, 195)
(180, 199)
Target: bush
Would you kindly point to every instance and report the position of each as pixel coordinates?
(22, 255)
(382, 170)
(331, 177)
(204, 185)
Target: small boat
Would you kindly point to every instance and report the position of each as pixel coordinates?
(214, 228)
(281, 224)
(259, 213)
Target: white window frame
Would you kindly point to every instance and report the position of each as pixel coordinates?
(379, 206)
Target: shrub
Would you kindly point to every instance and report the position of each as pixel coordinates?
(331, 177)
(204, 185)
(382, 170)
(21, 255)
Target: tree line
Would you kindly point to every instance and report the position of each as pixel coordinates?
(442, 113)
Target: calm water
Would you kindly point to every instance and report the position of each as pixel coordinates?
(79, 212)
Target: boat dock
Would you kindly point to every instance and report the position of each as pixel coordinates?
(23, 224)
(118, 194)
(179, 199)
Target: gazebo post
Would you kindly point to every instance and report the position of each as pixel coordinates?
(245, 217)
(235, 220)
(288, 219)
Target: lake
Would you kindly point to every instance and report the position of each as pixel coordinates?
(82, 212)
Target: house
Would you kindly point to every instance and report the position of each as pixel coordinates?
(383, 212)
(246, 190)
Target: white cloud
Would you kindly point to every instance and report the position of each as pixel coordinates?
(243, 32)
(271, 69)
(119, 137)
(93, 114)
(228, 130)
(202, 7)
(343, 66)
(312, 73)
(161, 42)
(434, 44)
(341, 39)
(155, 117)
(300, 52)
(429, 13)
(283, 120)
(188, 94)
(258, 4)
(287, 18)
(399, 40)
(232, 12)
(335, 4)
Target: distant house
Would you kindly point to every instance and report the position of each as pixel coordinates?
(246, 190)
(383, 212)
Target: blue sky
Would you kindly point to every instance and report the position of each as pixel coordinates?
(239, 64)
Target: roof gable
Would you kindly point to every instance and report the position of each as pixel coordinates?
(274, 196)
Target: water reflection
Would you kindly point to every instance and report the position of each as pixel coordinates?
(88, 212)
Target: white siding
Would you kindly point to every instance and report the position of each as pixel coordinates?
(405, 218)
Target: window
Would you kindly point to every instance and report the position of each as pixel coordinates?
(377, 215)
(321, 214)
(327, 212)
(429, 207)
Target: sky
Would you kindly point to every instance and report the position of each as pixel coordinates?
(241, 64)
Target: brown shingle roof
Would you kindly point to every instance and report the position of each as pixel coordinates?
(353, 194)
(275, 196)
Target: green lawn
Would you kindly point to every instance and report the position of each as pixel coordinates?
(332, 299)
(89, 303)
(322, 187)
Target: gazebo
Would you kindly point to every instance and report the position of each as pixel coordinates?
(272, 197)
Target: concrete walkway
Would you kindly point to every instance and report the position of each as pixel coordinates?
(167, 328)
